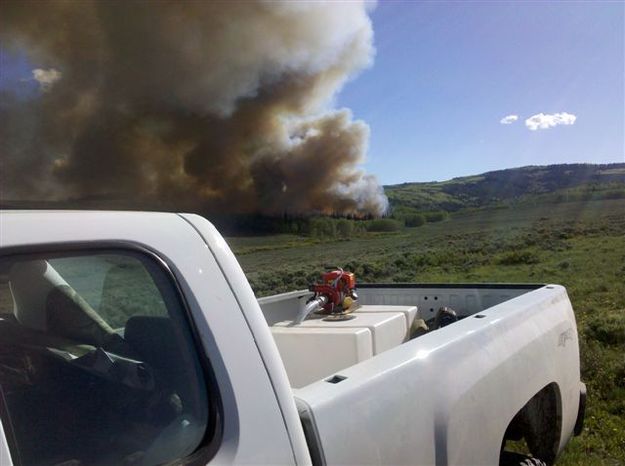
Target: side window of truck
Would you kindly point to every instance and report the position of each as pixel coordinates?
(98, 364)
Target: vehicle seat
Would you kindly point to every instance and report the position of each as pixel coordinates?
(154, 339)
(44, 302)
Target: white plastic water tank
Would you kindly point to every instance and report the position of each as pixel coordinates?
(388, 329)
(318, 348)
(310, 354)
(410, 312)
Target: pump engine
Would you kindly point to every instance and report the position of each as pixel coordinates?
(339, 289)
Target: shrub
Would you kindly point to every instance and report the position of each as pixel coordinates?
(414, 220)
(439, 216)
(344, 228)
(383, 224)
(322, 227)
(519, 257)
(564, 265)
(608, 329)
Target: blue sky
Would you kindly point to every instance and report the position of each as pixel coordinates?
(446, 73)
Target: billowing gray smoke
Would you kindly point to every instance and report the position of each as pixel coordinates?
(214, 105)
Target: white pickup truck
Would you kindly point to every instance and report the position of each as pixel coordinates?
(135, 339)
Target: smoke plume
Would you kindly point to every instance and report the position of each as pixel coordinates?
(223, 106)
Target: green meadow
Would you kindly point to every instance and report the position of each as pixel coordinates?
(579, 244)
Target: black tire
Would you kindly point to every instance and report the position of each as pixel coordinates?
(509, 458)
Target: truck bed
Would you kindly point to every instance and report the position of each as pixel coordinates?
(316, 348)
(511, 342)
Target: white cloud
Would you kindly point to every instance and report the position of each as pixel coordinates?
(545, 121)
(509, 119)
(46, 78)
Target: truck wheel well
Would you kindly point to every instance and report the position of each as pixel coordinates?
(539, 423)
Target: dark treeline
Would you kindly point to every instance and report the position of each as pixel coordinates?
(258, 224)
(333, 226)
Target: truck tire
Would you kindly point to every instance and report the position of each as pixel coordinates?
(509, 458)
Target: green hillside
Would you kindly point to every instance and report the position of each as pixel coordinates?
(544, 184)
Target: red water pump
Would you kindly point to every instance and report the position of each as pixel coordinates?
(336, 292)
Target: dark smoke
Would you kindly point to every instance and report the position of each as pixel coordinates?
(213, 105)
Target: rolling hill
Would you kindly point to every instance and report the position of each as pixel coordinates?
(552, 183)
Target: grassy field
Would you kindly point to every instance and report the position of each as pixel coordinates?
(580, 245)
